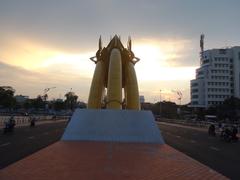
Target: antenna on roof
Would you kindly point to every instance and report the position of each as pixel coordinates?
(202, 45)
(100, 43)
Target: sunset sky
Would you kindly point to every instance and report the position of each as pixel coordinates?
(48, 43)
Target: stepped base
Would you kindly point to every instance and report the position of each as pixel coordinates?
(113, 125)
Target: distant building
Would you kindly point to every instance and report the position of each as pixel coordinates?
(142, 99)
(146, 106)
(59, 100)
(21, 99)
(217, 78)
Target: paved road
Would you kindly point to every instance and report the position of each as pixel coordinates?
(220, 156)
(25, 140)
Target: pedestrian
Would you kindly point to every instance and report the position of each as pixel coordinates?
(234, 132)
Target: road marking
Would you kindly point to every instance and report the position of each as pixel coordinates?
(192, 141)
(214, 148)
(31, 137)
(5, 144)
(178, 136)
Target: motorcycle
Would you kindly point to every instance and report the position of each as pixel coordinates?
(228, 136)
(32, 124)
(211, 130)
(9, 127)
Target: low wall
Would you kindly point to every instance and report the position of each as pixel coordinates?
(200, 124)
(21, 120)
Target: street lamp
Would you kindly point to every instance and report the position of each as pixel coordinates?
(179, 93)
(160, 106)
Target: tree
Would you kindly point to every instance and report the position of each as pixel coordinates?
(58, 105)
(71, 100)
(27, 104)
(38, 103)
(229, 109)
(7, 99)
(168, 109)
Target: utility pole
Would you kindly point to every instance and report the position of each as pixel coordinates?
(45, 91)
(160, 106)
(45, 96)
(179, 94)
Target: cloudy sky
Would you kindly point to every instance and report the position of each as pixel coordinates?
(48, 43)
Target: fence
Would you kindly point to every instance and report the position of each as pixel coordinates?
(21, 120)
(201, 124)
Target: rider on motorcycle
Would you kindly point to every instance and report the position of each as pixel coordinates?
(211, 130)
(9, 125)
(234, 132)
(32, 121)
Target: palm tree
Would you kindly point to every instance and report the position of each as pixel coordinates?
(71, 100)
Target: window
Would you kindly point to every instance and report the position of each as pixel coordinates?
(194, 96)
(195, 90)
(205, 61)
(194, 102)
(222, 51)
(194, 84)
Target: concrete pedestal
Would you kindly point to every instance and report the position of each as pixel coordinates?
(113, 125)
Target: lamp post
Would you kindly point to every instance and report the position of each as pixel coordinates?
(179, 93)
(160, 106)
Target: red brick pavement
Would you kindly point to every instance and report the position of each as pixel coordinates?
(107, 161)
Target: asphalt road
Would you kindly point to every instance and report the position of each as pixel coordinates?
(221, 156)
(25, 141)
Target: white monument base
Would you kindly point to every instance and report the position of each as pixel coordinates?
(113, 125)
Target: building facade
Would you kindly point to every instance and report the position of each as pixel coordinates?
(217, 78)
(142, 99)
(21, 99)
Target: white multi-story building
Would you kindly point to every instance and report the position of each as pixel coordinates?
(218, 77)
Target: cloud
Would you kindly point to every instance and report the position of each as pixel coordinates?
(169, 52)
(33, 83)
(75, 25)
(153, 94)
